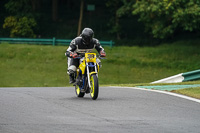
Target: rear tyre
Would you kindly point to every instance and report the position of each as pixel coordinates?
(94, 91)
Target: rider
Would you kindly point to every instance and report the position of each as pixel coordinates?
(79, 46)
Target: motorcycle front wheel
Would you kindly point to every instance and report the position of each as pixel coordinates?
(78, 91)
(94, 91)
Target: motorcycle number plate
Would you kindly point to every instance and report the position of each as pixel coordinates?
(90, 57)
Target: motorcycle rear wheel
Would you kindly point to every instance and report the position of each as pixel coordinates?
(94, 91)
(78, 91)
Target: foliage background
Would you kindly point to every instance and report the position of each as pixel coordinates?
(115, 20)
(165, 18)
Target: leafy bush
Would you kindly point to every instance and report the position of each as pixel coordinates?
(21, 21)
(20, 26)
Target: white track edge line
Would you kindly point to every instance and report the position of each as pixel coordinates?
(164, 92)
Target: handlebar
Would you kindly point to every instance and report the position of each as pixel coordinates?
(79, 56)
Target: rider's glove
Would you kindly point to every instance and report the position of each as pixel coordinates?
(71, 54)
(68, 54)
(74, 55)
(102, 54)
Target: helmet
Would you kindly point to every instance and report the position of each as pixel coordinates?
(87, 35)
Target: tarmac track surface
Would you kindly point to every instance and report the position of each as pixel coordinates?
(117, 110)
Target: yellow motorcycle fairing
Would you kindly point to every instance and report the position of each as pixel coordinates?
(89, 57)
(82, 66)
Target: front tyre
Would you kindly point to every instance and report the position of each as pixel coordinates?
(94, 91)
(78, 91)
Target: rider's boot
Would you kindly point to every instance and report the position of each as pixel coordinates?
(71, 79)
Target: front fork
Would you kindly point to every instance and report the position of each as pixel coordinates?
(90, 73)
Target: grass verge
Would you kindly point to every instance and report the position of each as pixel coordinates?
(39, 65)
(192, 92)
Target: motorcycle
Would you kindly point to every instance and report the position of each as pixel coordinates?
(87, 76)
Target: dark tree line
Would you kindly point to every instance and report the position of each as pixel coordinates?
(161, 19)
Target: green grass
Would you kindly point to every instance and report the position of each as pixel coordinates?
(147, 64)
(192, 92)
(30, 65)
(39, 65)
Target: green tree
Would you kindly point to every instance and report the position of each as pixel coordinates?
(162, 18)
(118, 9)
(21, 21)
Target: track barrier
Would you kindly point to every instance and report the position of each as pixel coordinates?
(40, 41)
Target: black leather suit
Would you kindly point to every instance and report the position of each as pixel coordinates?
(77, 46)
